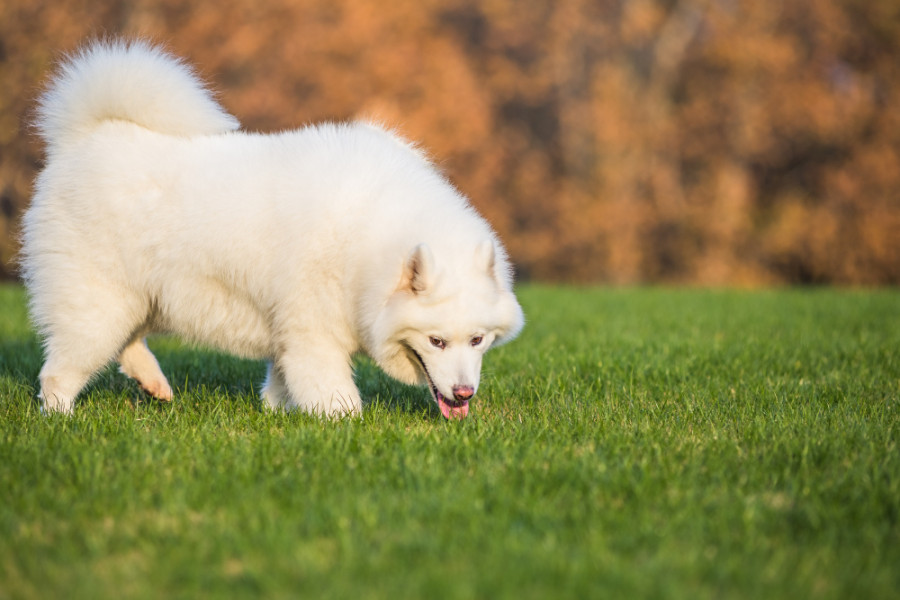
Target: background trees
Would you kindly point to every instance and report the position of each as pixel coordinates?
(684, 141)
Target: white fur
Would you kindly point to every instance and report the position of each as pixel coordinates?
(153, 214)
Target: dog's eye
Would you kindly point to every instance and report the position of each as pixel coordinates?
(437, 342)
(476, 341)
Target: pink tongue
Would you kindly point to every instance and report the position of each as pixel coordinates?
(453, 412)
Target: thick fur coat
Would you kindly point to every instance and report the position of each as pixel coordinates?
(156, 213)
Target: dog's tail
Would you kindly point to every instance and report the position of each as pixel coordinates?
(127, 81)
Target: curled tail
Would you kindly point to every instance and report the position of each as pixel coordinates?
(134, 82)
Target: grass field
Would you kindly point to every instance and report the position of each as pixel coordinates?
(631, 444)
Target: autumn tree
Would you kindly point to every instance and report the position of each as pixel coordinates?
(684, 141)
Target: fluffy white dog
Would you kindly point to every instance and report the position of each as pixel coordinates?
(154, 213)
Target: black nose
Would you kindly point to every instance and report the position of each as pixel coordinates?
(463, 392)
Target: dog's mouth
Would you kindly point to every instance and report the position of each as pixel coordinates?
(451, 408)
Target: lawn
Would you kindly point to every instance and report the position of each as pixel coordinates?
(639, 443)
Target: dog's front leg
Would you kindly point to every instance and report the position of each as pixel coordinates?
(314, 376)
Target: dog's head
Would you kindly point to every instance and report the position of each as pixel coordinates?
(443, 316)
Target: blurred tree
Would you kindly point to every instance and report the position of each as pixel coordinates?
(686, 141)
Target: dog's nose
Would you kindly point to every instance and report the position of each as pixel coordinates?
(463, 392)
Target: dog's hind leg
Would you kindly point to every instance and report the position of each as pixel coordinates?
(138, 362)
(60, 384)
(85, 329)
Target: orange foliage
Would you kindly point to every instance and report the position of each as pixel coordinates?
(685, 141)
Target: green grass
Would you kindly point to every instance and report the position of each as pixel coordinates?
(632, 443)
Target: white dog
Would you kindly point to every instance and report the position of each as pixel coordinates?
(154, 213)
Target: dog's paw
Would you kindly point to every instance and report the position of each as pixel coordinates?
(53, 403)
(342, 405)
(159, 389)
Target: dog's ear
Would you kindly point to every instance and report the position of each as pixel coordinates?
(418, 274)
(485, 256)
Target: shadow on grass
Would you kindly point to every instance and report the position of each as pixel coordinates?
(200, 371)
(20, 359)
(20, 362)
(378, 389)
